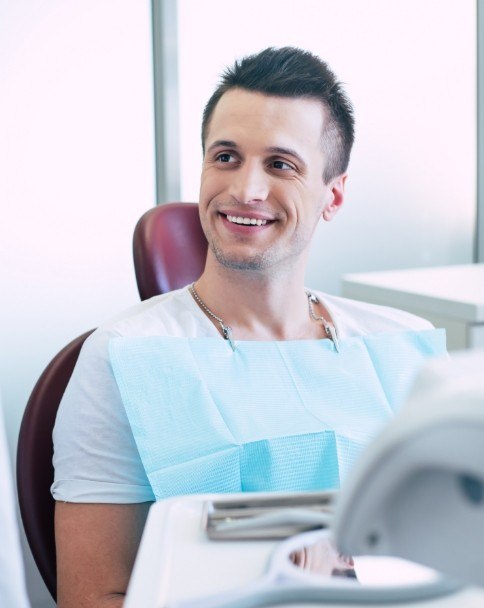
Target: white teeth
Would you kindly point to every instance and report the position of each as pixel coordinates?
(246, 220)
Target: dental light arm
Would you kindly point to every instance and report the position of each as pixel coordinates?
(418, 491)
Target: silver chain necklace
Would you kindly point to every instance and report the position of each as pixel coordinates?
(329, 328)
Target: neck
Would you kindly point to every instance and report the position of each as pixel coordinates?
(258, 306)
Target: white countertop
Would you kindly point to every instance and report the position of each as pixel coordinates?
(453, 291)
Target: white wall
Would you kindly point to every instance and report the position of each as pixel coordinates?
(409, 68)
(76, 172)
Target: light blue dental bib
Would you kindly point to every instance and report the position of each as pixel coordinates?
(271, 416)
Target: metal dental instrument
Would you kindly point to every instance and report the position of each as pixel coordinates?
(269, 518)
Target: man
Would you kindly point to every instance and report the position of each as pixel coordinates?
(277, 135)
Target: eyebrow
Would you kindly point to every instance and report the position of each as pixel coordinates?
(222, 143)
(288, 152)
(226, 143)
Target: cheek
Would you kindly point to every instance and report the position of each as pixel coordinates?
(301, 202)
(211, 187)
(291, 195)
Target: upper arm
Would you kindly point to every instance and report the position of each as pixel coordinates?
(95, 455)
(96, 545)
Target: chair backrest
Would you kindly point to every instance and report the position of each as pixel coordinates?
(169, 248)
(35, 473)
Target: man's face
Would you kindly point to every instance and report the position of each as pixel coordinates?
(262, 190)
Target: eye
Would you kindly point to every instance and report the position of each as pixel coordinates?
(281, 165)
(225, 157)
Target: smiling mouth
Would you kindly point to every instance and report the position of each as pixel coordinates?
(247, 221)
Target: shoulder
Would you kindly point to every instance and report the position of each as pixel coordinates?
(172, 314)
(166, 313)
(355, 318)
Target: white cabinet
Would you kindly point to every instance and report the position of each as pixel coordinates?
(449, 296)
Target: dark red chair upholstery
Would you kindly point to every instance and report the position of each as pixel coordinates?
(35, 472)
(169, 252)
(169, 248)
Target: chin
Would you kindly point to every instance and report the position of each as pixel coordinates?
(255, 262)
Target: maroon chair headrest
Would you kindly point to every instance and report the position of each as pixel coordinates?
(169, 248)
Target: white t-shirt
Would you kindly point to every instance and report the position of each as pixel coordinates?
(95, 455)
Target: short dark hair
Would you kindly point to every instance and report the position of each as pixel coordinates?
(293, 72)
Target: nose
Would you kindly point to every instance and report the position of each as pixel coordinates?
(249, 184)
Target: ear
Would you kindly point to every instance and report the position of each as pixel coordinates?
(336, 197)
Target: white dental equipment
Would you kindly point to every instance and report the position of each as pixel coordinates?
(180, 566)
(418, 490)
(285, 583)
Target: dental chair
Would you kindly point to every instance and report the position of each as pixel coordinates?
(169, 250)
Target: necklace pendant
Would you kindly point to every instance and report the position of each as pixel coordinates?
(227, 334)
(332, 335)
(311, 297)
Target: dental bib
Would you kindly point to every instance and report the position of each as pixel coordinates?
(269, 416)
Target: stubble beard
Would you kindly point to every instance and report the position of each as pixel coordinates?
(276, 258)
(256, 263)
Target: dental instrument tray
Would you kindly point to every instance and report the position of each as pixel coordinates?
(179, 566)
(267, 517)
